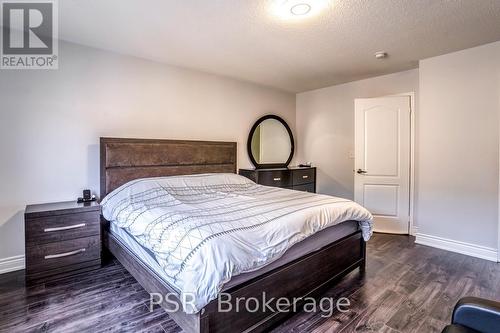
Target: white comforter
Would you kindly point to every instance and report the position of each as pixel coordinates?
(205, 229)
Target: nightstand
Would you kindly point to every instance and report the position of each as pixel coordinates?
(62, 238)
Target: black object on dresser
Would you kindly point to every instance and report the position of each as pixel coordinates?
(295, 178)
(62, 239)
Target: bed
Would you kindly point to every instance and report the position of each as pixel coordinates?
(139, 168)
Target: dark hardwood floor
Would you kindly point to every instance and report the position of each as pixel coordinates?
(406, 288)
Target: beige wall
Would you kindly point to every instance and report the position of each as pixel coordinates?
(458, 143)
(51, 121)
(456, 148)
(325, 126)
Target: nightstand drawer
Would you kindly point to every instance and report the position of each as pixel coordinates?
(304, 176)
(275, 178)
(62, 227)
(62, 254)
(306, 188)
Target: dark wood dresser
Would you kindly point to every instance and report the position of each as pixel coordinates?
(295, 178)
(62, 238)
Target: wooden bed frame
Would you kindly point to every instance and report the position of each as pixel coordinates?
(123, 160)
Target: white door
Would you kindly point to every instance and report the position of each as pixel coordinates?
(382, 161)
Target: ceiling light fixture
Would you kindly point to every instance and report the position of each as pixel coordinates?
(300, 9)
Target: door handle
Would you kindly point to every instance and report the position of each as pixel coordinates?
(360, 171)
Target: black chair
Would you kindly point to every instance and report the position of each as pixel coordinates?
(475, 315)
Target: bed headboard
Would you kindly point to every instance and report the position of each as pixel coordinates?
(123, 160)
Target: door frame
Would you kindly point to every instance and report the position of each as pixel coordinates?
(498, 201)
(412, 228)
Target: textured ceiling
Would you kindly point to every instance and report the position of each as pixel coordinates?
(244, 39)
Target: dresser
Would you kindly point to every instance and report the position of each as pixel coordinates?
(61, 239)
(295, 178)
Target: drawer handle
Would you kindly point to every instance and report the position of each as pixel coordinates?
(277, 179)
(81, 225)
(66, 254)
(305, 177)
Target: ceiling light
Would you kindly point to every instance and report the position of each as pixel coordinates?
(297, 10)
(300, 9)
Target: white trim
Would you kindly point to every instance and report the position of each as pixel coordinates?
(498, 203)
(11, 264)
(412, 228)
(473, 250)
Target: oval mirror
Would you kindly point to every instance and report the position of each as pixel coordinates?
(270, 143)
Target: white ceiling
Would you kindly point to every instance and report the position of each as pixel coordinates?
(243, 39)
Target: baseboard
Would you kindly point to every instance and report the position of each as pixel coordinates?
(414, 231)
(473, 250)
(11, 264)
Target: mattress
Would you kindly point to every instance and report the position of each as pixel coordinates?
(308, 245)
(206, 230)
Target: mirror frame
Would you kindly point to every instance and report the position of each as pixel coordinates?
(249, 143)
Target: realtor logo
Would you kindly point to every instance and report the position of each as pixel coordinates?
(29, 35)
